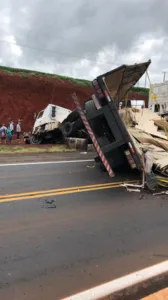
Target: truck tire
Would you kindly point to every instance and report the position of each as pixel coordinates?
(67, 129)
(35, 140)
(90, 107)
(77, 125)
(73, 116)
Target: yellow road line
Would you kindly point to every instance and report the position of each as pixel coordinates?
(64, 189)
(60, 193)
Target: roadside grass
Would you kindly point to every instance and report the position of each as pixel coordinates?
(24, 149)
(26, 73)
(83, 82)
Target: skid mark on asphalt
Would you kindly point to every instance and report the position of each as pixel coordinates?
(61, 191)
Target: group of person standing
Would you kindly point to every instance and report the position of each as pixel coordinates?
(6, 133)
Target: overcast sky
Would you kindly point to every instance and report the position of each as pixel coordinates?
(84, 38)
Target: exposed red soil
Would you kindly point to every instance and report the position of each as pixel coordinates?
(21, 97)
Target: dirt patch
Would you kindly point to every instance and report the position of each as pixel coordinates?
(21, 97)
(23, 94)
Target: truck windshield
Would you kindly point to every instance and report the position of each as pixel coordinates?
(40, 114)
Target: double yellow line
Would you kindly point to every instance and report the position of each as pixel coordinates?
(62, 191)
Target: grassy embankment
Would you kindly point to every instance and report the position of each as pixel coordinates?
(5, 149)
(83, 82)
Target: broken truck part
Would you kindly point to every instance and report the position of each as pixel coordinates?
(92, 136)
(103, 117)
(120, 138)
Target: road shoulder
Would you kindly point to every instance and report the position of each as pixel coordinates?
(23, 158)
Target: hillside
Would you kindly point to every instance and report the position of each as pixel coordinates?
(25, 92)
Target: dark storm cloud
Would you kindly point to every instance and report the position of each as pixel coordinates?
(82, 28)
(73, 29)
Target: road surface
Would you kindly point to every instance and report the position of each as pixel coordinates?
(52, 246)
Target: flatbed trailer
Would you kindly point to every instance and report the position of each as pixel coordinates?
(102, 114)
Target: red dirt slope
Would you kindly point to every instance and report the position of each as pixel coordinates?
(21, 97)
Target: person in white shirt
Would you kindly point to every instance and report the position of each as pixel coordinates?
(11, 127)
(18, 130)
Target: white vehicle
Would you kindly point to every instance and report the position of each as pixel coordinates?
(137, 103)
(158, 98)
(48, 123)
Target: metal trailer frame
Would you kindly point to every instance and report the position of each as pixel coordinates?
(104, 120)
(92, 136)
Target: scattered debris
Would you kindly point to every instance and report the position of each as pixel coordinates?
(135, 187)
(161, 193)
(91, 148)
(77, 143)
(142, 197)
(91, 167)
(50, 203)
(133, 190)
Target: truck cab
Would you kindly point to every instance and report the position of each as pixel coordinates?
(52, 114)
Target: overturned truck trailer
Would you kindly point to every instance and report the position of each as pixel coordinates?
(119, 142)
(102, 114)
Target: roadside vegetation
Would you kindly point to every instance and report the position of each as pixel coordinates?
(26, 73)
(24, 149)
(82, 82)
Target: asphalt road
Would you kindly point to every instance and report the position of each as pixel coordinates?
(77, 240)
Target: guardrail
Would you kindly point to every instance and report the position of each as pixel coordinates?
(132, 286)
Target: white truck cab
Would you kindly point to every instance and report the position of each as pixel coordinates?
(47, 123)
(51, 114)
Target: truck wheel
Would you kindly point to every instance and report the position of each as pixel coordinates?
(67, 129)
(35, 140)
(90, 107)
(77, 125)
(74, 115)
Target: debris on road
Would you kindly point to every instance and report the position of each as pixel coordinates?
(50, 203)
(133, 190)
(77, 143)
(161, 193)
(91, 167)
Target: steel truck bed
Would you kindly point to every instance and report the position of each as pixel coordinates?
(103, 116)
